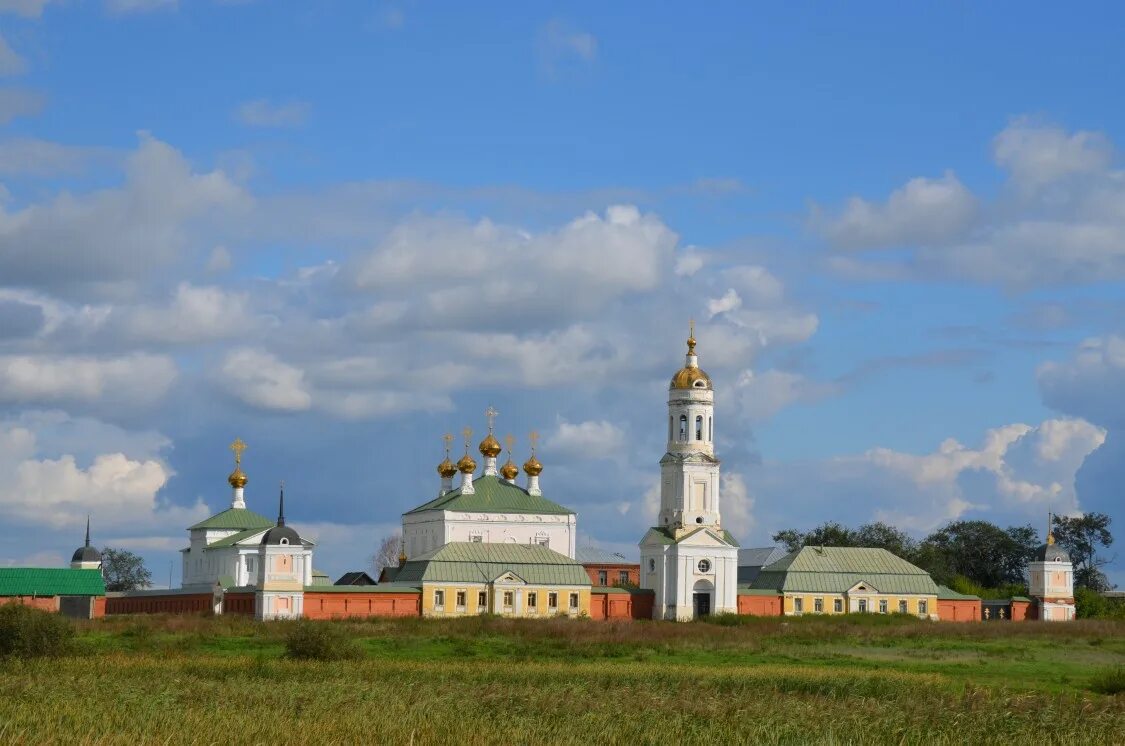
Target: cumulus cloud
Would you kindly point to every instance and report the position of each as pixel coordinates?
(19, 102)
(923, 211)
(1037, 154)
(264, 113)
(25, 8)
(11, 63)
(135, 380)
(117, 489)
(28, 156)
(195, 314)
(759, 396)
(584, 440)
(261, 380)
(736, 504)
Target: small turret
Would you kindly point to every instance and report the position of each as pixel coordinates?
(466, 465)
(532, 468)
(86, 557)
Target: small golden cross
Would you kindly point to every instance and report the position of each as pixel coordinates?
(534, 438)
(238, 447)
(448, 438)
(490, 413)
(468, 433)
(509, 441)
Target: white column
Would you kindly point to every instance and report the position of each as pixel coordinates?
(237, 501)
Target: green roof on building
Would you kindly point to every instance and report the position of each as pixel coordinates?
(838, 569)
(475, 562)
(380, 588)
(945, 593)
(50, 581)
(239, 519)
(493, 495)
(230, 541)
(667, 536)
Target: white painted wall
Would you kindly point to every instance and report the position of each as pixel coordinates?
(432, 529)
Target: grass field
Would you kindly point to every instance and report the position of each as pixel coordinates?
(868, 679)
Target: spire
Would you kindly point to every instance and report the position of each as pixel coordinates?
(237, 478)
(401, 551)
(1050, 532)
(87, 529)
(281, 505)
(691, 360)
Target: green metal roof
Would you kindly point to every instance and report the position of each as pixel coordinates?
(945, 593)
(474, 562)
(233, 539)
(837, 569)
(493, 495)
(619, 589)
(50, 581)
(236, 518)
(744, 591)
(666, 536)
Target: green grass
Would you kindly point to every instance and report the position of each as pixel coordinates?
(869, 680)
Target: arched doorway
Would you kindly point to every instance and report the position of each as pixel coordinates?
(703, 595)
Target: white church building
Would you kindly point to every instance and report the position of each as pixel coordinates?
(688, 559)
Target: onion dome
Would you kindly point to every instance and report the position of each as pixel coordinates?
(691, 376)
(466, 465)
(532, 467)
(490, 446)
(1051, 552)
(447, 468)
(509, 470)
(237, 478)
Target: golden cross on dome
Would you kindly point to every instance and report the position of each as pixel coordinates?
(238, 447)
(534, 438)
(468, 433)
(490, 413)
(691, 338)
(509, 441)
(448, 438)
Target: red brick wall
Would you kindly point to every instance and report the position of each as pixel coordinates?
(958, 610)
(759, 605)
(46, 603)
(99, 606)
(621, 605)
(341, 605)
(613, 574)
(1022, 610)
(238, 603)
(192, 603)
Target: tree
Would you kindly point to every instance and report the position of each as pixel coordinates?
(1081, 537)
(387, 555)
(790, 538)
(884, 536)
(124, 571)
(831, 534)
(980, 551)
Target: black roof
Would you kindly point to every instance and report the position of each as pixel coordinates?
(86, 554)
(281, 534)
(357, 577)
(1051, 553)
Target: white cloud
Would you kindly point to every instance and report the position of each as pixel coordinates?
(137, 379)
(139, 6)
(759, 396)
(219, 261)
(560, 42)
(264, 113)
(10, 62)
(923, 211)
(689, 262)
(1038, 154)
(19, 102)
(261, 380)
(1091, 385)
(736, 504)
(25, 8)
(32, 157)
(195, 314)
(586, 440)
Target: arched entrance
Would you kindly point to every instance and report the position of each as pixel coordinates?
(703, 595)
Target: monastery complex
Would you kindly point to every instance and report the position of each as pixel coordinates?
(491, 545)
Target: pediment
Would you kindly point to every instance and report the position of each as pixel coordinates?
(863, 587)
(509, 578)
(704, 538)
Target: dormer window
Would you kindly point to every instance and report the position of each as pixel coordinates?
(284, 540)
(700, 384)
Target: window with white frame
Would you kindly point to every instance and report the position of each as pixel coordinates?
(798, 605)
(863, 605)
(552, 601)
(476, 538)
(461, 600)
(439, 600)
(532, 601)
(882, 606)
(818, 605)
(922, 607)
(573, 601)
(603, 577)
(837, 605)
(482, 599)
(901, 607)
(622, 577)
(509, 599)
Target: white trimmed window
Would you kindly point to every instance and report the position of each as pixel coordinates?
(509, 599)
(818, 605)
(882, 606)
(863, 606)
(798, 605)
(476, 538)
(922, 607)
(461, 600)
(532, 601)
(552, 601)
(574, 602)
(439, 600)
(838, 605)
(901, 607)
(482, 599)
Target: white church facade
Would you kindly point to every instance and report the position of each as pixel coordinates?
(688, 559)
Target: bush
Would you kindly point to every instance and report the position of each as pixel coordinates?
(321, 641)
(30, 633)
(1109, 681)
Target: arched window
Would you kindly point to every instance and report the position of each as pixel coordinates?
(699, 427)
(683, 427)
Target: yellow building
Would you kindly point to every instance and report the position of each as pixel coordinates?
(518, 580)
(842, 580)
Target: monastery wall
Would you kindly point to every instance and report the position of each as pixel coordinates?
(336, 605)
(959, 610)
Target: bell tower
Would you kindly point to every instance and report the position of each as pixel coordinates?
(689, 471)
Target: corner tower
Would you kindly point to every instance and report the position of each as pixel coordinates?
(688, 559)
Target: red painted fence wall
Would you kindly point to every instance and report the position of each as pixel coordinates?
(759, 605)
(343, 605)
(44, 603)
(238, 603)
(959, 610)
(634, 605)
(180, 603)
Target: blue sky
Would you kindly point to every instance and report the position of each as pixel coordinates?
(341, 229)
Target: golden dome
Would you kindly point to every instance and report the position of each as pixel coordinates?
(509, 470)
(490, 446)
(691, 377)
(446, 469)
(532, 467)
(237, 478)
(466, 465)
